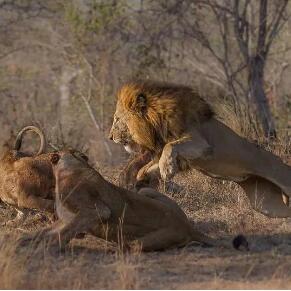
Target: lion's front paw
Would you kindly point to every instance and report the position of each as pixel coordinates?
(146, 180)
(168, 165)
(126, 180)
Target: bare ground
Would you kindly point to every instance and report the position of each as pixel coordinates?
(218, 208)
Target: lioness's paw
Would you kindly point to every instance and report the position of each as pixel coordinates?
(25, 240)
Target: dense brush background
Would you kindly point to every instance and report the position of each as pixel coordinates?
(61, 64)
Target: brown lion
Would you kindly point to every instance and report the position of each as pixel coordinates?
(27, 182)
(87, 203)
(180, 129)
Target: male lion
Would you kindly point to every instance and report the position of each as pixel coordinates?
(26, 181)
(87, 203)
(179, 128)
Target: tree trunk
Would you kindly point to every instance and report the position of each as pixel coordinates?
(256, 85)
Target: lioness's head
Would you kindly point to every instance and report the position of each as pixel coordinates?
(69, 159)
(151, 114)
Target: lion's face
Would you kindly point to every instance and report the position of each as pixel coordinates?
(151, 114)
(119, 131)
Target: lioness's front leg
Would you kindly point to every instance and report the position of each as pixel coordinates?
(37, 236)
(60, 233)
(187, 148)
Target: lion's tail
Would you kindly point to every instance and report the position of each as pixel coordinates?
(18, 141)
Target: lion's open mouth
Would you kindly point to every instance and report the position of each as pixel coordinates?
(128, 146)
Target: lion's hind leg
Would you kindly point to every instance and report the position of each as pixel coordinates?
(272, 168)
(266, 197)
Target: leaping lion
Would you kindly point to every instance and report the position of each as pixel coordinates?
(180, 129)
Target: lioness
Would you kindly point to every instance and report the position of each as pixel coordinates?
(179, 128)
(87, 203)
(27, 181)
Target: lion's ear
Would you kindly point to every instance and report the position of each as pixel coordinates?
(141, 103)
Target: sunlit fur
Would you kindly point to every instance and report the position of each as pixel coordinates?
(169, 108)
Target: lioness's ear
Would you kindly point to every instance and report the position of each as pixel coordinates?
(141, 102)
(55, 158)
(84, 157)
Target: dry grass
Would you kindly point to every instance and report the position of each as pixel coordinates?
(215, 207)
